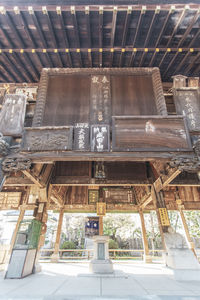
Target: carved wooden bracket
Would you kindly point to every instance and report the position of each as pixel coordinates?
(16, 164)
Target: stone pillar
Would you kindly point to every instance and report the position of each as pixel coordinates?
(55, 256)
(147, 257)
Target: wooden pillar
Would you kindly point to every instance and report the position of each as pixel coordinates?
(185, 226)
(41, 215)
(155, 196)
(100, 225)
(55, 256)
(20, 218)
(147, 258)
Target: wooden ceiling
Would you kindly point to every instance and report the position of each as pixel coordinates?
(33, 36)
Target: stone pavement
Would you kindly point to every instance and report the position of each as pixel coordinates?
(72, 281)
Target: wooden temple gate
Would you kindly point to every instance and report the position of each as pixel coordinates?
(100, 140)
(98, 132)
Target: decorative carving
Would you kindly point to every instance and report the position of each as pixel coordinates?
(47, 139)
(16, 164)
(4, 146)
(185, 164)
(196, 147)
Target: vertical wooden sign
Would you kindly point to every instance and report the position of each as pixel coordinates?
(81, 137)
(100, 138)
(12, 115)
(187, 104)
(100, 99)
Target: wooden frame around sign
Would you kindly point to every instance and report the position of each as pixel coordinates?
(47, 72)
(168, 118)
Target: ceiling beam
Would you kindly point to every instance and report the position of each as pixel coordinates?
(188, 29)
(113, 27)
(37, 25)
(126, 26)
(181, 17)
(52, 33)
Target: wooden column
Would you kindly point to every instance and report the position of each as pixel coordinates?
(41, 215)
(185, 226)
(20, 218)
(55, 256)
(100, 225)
(159, 203)
(147, 258)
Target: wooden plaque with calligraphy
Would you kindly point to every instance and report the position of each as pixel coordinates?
(12, 115)
(101, 208)
(93, 196)
(100, 99)
(100, 138)
(47, 139)
(164, 217)
(187, 102)
(81, 137)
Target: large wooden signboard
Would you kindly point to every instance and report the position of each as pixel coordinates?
(187, 102)
(47, 139)
(12, 115)
(70, 96)
(150, 134)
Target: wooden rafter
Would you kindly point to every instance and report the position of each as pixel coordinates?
(21, 44)
(181, 17)
(195, 18)
(53, 37)
(162, 29)
(126, 26)
(36, 23)
(113, 28)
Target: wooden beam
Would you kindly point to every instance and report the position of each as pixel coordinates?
(137, 28)
(126, 26)
(162, 29)
(113, 27)
(181, 17)
(196, 58)
(51, 30)
(33, 178)
(75, 24)
(150, 29)
(21, 44)
(170, 64)
(185, 58)
(41, 35)
(189, 28)
(145, 201)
